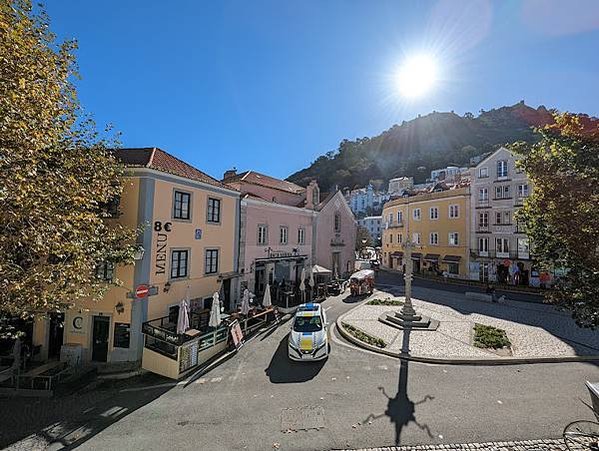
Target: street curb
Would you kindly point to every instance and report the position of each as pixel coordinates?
(460, 361)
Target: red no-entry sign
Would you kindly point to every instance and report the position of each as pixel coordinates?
(141, 291)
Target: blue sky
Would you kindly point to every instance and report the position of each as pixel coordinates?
(271, 85)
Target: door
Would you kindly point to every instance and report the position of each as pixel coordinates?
(227, 294)
(56, 335)
(100, 338)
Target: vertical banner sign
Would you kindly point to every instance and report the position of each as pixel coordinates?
(162, 231)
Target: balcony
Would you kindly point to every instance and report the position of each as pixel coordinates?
(484, 203)
(395, 225)
(482, 229)
(510, 255)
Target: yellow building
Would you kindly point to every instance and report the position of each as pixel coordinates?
(438, 224)
(190, 243)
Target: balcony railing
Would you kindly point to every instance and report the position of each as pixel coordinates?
(506, 255)
(394, 225)
(482, 228)
(483, 203)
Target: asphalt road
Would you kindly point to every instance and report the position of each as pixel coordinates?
(259, 400)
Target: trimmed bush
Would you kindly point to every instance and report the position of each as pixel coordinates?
(490, 337)
(388, 301)
(363, 336)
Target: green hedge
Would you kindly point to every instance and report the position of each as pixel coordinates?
(363, 336)
(388, 301)
(490, 337)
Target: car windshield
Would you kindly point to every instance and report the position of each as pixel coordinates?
(307, 324)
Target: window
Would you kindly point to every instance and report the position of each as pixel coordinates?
(179, 260)
(502, 168)
(453, 268)
(502, 245)
(390, 218)
(213, 210)
(498, 217)
(262, 234)
(454, 211)
(400, 238)
(211, 266)
(483, 173)
(433, 238)
(523, 190)
(301, 236)
(391, 238)
(283, 235)
(507, 217)
(523, 248)
(181, 208)
(337, 222)
(483, 194)
(502, 192)
(399, 217)
(434, 213)
(483, 246)
(105, 271)
(121, 335)
(483, 220)
(416, 238)
(416, 214)
(453, 238)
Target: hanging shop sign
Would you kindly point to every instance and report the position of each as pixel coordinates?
(162, 230)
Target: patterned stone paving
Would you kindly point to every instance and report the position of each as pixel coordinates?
(525, 445)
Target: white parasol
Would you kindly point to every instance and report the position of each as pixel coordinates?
(215, 311)
(183, 319)
(302, 286)
(266, 302)
(245, 302)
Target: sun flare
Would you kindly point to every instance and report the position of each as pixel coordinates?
(416, 76)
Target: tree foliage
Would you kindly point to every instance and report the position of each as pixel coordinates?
(562, 214)
(56, 174)
(363, 239)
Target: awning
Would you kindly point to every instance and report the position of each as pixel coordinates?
(317, 269)
(416, 255)
(397, 254)
(432, 257)
(452, 258)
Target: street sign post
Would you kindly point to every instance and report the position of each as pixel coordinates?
(141, 291)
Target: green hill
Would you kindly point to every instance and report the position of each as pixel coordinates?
(416, 147)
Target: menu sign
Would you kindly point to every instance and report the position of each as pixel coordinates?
(236, 334)
(188, 355)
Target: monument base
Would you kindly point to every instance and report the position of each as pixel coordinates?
(414, 322)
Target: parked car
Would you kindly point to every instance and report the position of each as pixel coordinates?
(308, 339)
(334, 288)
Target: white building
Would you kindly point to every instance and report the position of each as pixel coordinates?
(500, 251)
(449, 174)
(400, 184)
(373, 224)
(364, 200)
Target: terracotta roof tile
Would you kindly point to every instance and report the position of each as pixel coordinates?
(159, 160)
(256, 178)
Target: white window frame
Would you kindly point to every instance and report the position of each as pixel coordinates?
(433, 213)
(502, 247)
(454, 211)
(433, 239)
(483, 173)
(283, 235)
(416, 238)
(483, 246)
(301, 236)
(502, 169)
(523, 190)
(262, 234)
(416, 214)
(483, 194)
(453, 239)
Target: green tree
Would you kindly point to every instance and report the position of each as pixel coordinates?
(363, 239)
(57, 178)
(562, 214)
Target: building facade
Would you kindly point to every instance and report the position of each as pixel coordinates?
(374, 226)
(500, 249)
(438, 225)
(190, 245)
(366, 200)
(276, 231)
(335, 233)
(400, 184)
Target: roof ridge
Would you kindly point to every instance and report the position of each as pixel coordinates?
(151, 159)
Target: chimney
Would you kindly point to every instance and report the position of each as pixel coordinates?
(312, 195)
(230, 173)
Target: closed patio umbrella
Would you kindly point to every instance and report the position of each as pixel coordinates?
(215, 311)
(266, 302)
(245, 302)
(302, 286)
(183, 319)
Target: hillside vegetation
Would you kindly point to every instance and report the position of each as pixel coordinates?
(428, 142)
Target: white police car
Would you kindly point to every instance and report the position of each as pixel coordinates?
(308, 339)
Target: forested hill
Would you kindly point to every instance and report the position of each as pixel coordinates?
(416, 147)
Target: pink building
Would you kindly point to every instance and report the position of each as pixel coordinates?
(285, 227)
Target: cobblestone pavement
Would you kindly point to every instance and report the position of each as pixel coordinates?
(526, 445)
(535, 330)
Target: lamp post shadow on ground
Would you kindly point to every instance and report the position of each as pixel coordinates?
(401, 409)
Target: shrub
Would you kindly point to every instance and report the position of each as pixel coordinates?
(388, 301)
(490, 337)
(363, 336)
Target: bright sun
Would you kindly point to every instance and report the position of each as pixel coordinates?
(416, 76)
